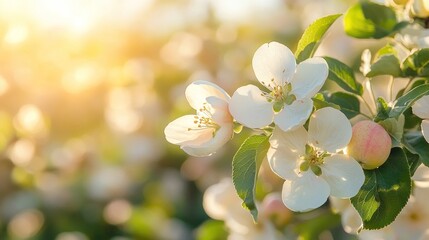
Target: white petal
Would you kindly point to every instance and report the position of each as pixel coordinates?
(239, 219)
(284, 153)
(305, 192)
(283, 162)
(222, 136)
(425, 235)
(295, 140)
(421, 195)
(421, 176)
(343, 174)
(217, 198)
(273, 62)
(386, 233)
(309, 77)
(294, 115)
(197, 92)
(250, 108)
(351, 220)
(177, 132)
(329, 129)
(339, 205)
(425, 129)
(421, 107)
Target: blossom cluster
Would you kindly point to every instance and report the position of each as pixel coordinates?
(312, 163)
(356, 145)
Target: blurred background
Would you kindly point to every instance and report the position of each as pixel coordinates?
(86, 89)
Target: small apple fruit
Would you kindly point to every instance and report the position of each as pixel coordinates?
(370, 144)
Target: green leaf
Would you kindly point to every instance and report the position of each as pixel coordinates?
(407, 100)
(383, 110)
(386, 63)
(413, 161)
(385, 191)
(343, 75)
(370, 20)
(319, 101)
(348, 103)
(395, 128)
(411, 120)
(416, 83)
(312, 36)
(416, 143)
(417, 64)
(212, 230)
(245, 168)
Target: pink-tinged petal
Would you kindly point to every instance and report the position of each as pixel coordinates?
(343, 174)
(250, 108)
(329, 130)
(183, 131)
(309, 78)
(421, 107)
(294, 115)
(222, 136)
(306, 192)
(425, 129)
(197, 92)
(274, 64)
(219, 110)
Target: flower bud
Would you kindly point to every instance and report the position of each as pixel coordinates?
(420, 8)
(370, 144)
(273, 208)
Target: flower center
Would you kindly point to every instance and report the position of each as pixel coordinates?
(280, 95)
(414, 216)
(204, 119)
(313, 158)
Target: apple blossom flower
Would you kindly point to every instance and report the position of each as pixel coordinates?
(221, 202)
(290, 88)
(210, 128)
(420, 8)
(312, 163)
(421, 177)
(350, 219)
(414, 36)
(421, 109)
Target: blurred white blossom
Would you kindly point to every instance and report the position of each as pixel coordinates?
(421, 109)
(222, 203)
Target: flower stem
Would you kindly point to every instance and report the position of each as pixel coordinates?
(368, 107)
(365, 115)
(391, 89)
